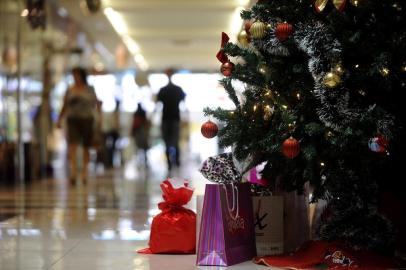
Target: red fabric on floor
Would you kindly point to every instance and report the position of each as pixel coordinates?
(331, 256)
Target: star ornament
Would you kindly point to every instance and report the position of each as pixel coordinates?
(319, 5)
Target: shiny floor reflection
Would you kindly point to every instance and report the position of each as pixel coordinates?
(50, 225)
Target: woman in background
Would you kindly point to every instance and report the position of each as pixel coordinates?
(140, 131)
(79, 105)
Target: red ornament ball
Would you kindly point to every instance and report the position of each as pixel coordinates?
(291, 148)
(378, 144)
(209, 129)
(247, 26)
(283, 31)
(227, 69)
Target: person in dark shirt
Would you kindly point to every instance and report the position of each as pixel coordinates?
(170, 96)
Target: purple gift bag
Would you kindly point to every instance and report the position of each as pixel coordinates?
(227, 233)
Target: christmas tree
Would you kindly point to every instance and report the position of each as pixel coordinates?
(321, 104)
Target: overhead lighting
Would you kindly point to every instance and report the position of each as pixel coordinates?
(143, 66)
(138, 58)
(24, 13)
(121, 28)
(116, 21)
(132, 46)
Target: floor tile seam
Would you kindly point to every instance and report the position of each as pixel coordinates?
(2, 248)
(65, 254)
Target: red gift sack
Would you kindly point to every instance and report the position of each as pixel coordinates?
(174, 229)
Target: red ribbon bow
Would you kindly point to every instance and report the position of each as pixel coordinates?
(221, 56)
(174, 197)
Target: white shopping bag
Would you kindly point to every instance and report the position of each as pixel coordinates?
(269, 223)
(296, 220)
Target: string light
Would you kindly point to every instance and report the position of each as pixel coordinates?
(298, 95)
(362, 92)
(355, 2)
(339, 69)
(397, 7)
(284, 106)
(356, 66)
(255, 108)
(263, 69)
(322, 164)
(404, 68)
(384, 71)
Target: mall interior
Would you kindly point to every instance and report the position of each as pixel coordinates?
(98, 213)
(46, 222)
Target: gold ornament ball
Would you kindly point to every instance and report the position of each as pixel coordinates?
(331, 80)
(258, 30)
(243, 38)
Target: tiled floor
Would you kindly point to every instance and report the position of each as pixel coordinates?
(51, 225)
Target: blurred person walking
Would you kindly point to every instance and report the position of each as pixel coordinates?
(79, 106)
(170, 96)
(140, 131)
(112, 135)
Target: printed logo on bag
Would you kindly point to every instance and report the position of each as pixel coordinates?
(236, 225)
(259, 220)
(337, 257)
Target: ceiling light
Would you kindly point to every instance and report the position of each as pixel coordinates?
(143, 66)
(131, 44)
(138, 58)
(121, 28)
(24, 13)
(116, 21)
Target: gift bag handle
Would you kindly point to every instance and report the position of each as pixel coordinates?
(235, 201)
